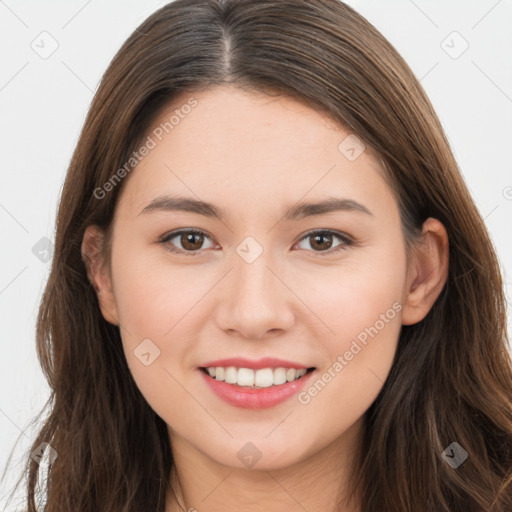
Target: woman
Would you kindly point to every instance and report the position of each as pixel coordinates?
(205, 349)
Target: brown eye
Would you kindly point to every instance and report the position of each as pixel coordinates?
(188, 242)
(191, 241)
(322, 241)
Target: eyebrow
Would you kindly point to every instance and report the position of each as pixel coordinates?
(299, 211)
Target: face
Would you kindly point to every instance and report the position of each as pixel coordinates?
(322, 288)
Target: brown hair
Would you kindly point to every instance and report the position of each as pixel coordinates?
(451, 379)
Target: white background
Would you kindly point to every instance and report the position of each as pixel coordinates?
(43, 104)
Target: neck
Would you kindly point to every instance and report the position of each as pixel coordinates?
(318, 483)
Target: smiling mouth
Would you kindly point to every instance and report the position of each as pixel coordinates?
(255, 379)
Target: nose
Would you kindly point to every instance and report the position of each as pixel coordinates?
(258, 303)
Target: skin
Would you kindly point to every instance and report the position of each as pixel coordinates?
(255, 156)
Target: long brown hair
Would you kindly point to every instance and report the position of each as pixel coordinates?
(451, 380)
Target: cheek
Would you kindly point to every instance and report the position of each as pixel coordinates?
(153, 312)
(150, 304)
(151, 297)
(352, 297)
(361, 303)
(365, 317)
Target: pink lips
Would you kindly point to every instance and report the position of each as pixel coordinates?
(251, 398)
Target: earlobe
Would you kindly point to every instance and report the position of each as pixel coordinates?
(427, 272)
(97, 272)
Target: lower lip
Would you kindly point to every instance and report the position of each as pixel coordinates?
(251, 398)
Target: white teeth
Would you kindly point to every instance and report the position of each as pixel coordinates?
(245, 377)
(262, 378)
(290, 374)
(230, 375)
(279, 376)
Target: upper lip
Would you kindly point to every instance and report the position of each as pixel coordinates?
(266, 362)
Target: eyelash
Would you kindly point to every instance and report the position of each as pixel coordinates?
(347, 241)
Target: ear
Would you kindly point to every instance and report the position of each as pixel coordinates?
(427, 272)
(98, 272)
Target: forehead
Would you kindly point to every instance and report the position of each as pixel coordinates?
(228, 143)
(225, 115)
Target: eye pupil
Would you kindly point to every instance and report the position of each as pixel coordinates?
(187, 238)
(318, 237)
